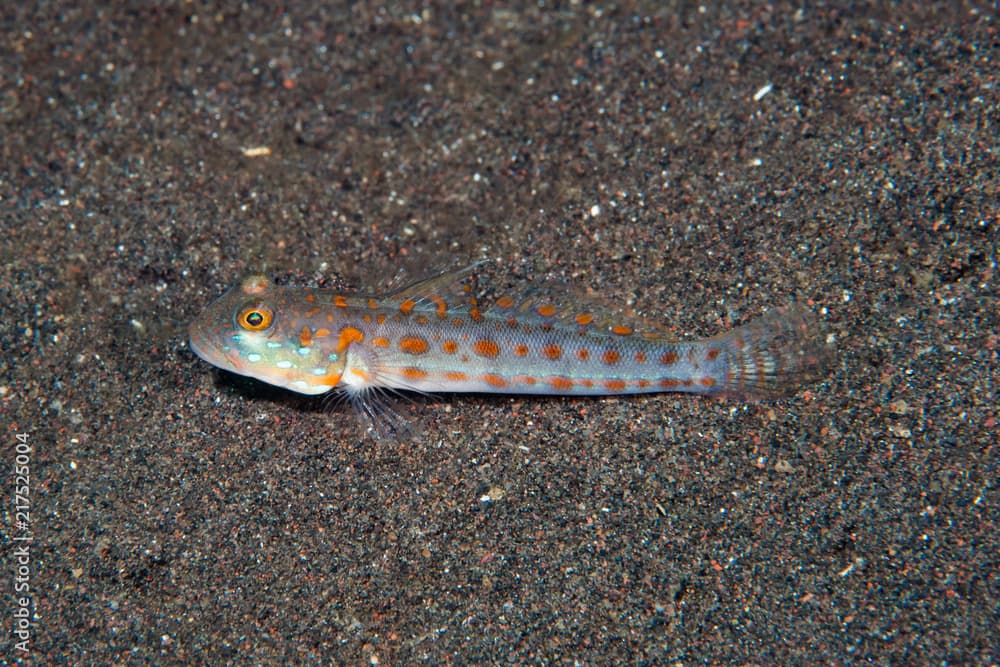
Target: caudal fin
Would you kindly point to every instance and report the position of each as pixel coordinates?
(776, 354)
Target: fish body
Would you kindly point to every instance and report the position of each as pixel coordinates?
(434, 337)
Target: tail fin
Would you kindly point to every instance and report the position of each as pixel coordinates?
(775, 354)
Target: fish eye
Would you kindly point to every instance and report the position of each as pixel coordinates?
(255, 318)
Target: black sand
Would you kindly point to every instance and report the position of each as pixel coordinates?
(696, 166)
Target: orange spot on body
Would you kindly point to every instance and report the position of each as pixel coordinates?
(339, 301)
(552, 351)
(643, 384)
(421, 319)
(411, 373)
(640, 356)
(455, 376)
(614, 385)
(583, 319)
(494, 380)
(349, 335)
(359, 373)
(505, 302)
(560, 383)
(621, 330)
(668, 358)
(525, 379)
(521, 350)
(305, 337)
(449, 347)
(321, 333)
(486, 348)
(407, 306)
(707, 382)
(330, 379)
(475, 314)
(413, 345)
(380, 319)
(712, 354)
(310, 297)
(312, 312)
(546, 310)
(457, 322)
(583, 354)
(381, 341)
(372, 304)
(610, 357)
(587, 383)
(668, 383)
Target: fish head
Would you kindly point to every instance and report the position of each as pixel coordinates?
(252, 330)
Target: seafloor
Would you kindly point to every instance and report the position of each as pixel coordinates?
(697, 164)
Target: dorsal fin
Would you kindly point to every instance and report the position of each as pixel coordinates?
(455, 289)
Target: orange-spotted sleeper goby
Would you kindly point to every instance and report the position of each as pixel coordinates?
(434, 337)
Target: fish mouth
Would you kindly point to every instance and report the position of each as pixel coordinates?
(202, 345)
